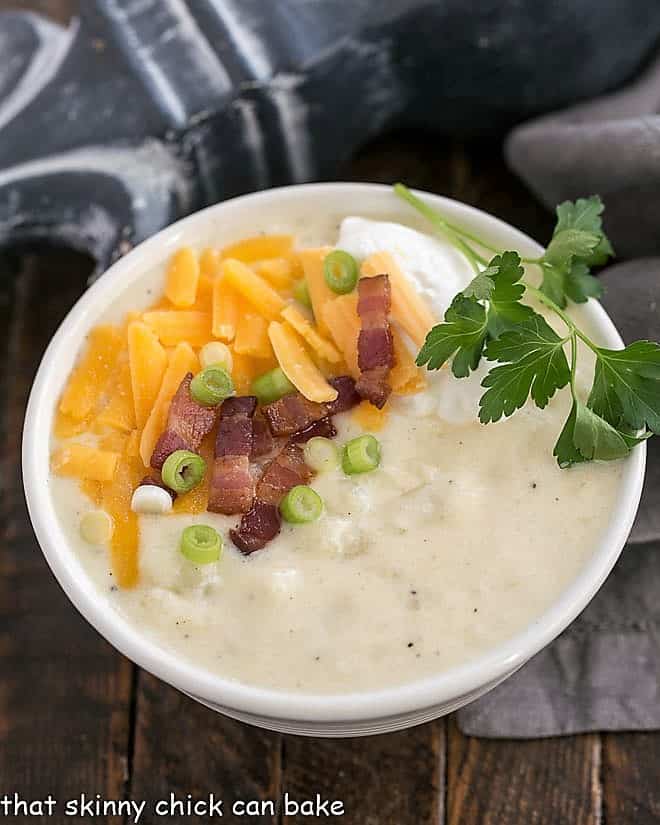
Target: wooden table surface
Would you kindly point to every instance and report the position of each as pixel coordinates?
(76, 717)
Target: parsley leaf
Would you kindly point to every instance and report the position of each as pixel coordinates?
(580, 284)
(576, 283)
(595, 438)
(504, 308)
(568, 244)
(626, 386)
(488, 318)
(587, 436)
(534, 363)
(500, 285)
(578, 243)
(554, 283)
(585, 214)
(462, 335)
(482, 285)
(565, 451)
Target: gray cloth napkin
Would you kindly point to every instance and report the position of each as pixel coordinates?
(603, 672)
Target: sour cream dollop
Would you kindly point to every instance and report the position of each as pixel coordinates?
(436, 269)
(438, 272)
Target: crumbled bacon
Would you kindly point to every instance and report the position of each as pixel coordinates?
(263, 442)
(287, 469)
(374, 387)
(262, 522)
(324, 428)
(231, 489)
(294, 413)
(234, 435)
(258, 527)
(347, 395)
(168, 443)
(187, 424)
(291, 413)
(375, 343)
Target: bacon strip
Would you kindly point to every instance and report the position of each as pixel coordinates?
(262, 522)
(375, 343)
(258, 526)
(287, 469)
(347, 395)
(323, 428)
(293, 413)
(263, 442)
(187, 424)
(234, 436)
(231, 489)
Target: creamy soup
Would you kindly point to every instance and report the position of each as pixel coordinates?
(461, 538)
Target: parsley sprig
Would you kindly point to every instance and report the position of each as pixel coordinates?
(488, 320)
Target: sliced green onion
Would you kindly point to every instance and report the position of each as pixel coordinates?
(183, 470)
(212, 385)
(301, 505)
(321, 454)
(271, 385)
(340, 271)
(201, 544)
(360, 455)
(301, 293)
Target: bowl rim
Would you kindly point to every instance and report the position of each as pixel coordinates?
(448, 685)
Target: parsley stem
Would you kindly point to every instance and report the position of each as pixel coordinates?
(454, 234)
(543, 298)
(458, 230)
(474, 258)
(459, 237)
(573, 363)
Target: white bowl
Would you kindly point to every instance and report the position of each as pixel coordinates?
(334, 715)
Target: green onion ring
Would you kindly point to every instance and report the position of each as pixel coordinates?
(321, 454)
(340, 271)
(361, 455)
(183, 470)
(201, 544)
(212, 385)
(271, 386)
(301, 505)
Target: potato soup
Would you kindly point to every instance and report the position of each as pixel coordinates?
(413, 539)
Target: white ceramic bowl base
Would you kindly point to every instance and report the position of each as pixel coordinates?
(334, 715)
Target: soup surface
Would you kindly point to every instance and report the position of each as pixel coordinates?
(463, 536)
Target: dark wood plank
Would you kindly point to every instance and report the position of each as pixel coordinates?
(544, 782)
(64, 693)
(473, 172)
(394, 778)
(184, 748)
(631, 767)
